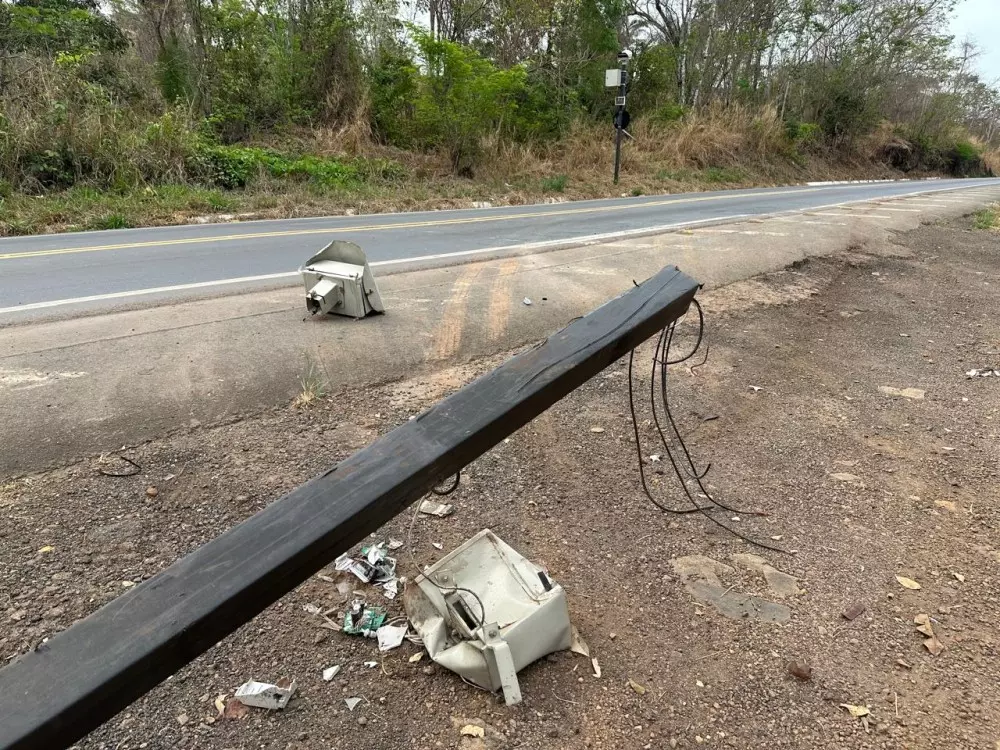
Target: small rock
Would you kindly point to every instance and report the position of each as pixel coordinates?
(362, 720)
(853, 611)
(428, 670)
(240, 499)
(183, 719)
(800, 669)
(152, 491)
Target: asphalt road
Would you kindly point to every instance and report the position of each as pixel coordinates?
(100, 269)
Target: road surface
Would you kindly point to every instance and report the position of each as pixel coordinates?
(100, 269)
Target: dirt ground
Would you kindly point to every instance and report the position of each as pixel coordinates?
(858, 484)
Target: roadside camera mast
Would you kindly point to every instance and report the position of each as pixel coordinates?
(618, 78)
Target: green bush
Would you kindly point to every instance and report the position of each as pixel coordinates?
(554, 184)
(668, 113)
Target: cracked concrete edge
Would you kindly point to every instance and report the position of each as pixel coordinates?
(139, 374)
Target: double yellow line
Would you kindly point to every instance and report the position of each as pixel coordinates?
(376, 227)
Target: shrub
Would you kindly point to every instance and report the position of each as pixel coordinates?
(554, 184)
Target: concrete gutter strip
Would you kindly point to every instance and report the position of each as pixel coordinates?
(83, 386)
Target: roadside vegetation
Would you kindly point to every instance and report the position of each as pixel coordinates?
(136, 112)
(988, 218)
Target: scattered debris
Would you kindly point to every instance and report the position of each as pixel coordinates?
(655, 458)
(361, 619)
(640, 689)
(46, 549)
(391, 636)
(755, 388)
(312, 609)
(579, 646)
(431, 508)
(265, 695)
(859, 712)
(987, 372)
(416, 657)
(853, 611)
(457, 634)
(394, 544)
(437, 545)
(904, 664)
(597, 429)
(924, 627)
(800, 669)
(914, 393)
(526, 301)
(352, 703)
(330, 672)
(958, 577)
(597, 668)
(371, 664)
(376, 568)
(471, 730)
(908, 583)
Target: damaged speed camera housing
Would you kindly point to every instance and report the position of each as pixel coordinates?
(486, 612)
(338, 280)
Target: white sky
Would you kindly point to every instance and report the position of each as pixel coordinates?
(980, 20)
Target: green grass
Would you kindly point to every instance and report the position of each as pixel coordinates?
(554, 184)
(988, 218)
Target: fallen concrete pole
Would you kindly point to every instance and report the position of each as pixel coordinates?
(83, 676)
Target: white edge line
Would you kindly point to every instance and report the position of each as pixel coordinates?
(583, 241)
(571, 242)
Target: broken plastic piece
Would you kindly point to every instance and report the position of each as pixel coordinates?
(391, 636)
(432, 508)
(264, 694)
(484, 612)
(352, 703)
(330, 672)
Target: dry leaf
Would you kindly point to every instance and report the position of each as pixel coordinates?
(471, 730)
(933, 645)
(636, 687)
(908, 583)
(597, 668)
(856, 711)
(923, 623)
(416, 657)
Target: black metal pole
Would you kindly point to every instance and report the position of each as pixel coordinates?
(619, 117)
(54, 695)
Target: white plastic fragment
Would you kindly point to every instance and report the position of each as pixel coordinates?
(264, 695)
(432, 508)
(351, 703)
(330, 672)
(391, 636)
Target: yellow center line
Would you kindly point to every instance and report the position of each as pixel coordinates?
(375, 227)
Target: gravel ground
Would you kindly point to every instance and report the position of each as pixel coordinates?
(859, 485)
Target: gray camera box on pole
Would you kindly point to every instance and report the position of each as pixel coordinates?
(338, 280)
